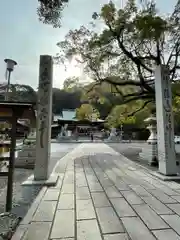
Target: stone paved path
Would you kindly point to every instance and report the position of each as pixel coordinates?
(101, 195)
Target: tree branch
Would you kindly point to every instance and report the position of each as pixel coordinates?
(147, 96)
(139, 109)
(134, 59)
(122, 83)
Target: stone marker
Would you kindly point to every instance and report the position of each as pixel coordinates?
(165, 125)
(44, 117)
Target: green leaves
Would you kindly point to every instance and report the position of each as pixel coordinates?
(150, 27)
(108, 12)
(119, 116)
(49, 11)
(123, 49)
(87, 112)
(131, 113)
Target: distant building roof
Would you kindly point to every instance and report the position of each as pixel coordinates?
(70, 115)
(67, 115)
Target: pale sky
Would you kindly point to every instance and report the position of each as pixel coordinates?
(23, 38)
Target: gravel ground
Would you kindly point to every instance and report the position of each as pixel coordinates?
(132, 150)
(24, 196)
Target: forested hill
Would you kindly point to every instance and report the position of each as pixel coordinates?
(65, 100)
(62, 98)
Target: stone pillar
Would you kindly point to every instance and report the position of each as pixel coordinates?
(44, 117)
(165, 125)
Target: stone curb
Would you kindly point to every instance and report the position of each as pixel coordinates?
(23, 226)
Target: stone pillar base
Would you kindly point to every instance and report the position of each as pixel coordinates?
(150, 154)
(52, 181)
(26, 157)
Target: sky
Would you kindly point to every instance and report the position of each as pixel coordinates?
(23, 38)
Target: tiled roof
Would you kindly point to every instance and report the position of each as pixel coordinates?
(67, 115)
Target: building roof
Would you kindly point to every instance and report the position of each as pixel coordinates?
(67, 115)
(70, 115)
(19, 109)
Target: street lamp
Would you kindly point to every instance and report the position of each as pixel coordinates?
(9, 68)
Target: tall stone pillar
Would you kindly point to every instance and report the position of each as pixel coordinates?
(44, 117)
(165, 122)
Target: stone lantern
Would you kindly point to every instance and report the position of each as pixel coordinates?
(151, 121)
(150, 153)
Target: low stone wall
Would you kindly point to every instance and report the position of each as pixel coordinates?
(26, 157)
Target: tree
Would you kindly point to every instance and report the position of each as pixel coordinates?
(65, 100)
(86, 112)
(50, 11)
(72, 84)
(19, 93)
(123, 54)
(128, 114)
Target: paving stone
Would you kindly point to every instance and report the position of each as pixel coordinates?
(67, 188)
(81, 180)
(79, 169)
(82, 193)
(137, 229)
(177, 198)
(108, 220)
(111, 175)
(167, 234)
(66, 201)
(122, 208)
(140, 191)
(178, 190)
(132, 198)
(85, 209)
(29, 216)
(69, 176)
(119, 236)
(173, 221)
(88, 230)
(20, 232)
(150, 218)
(95, 187)
(112, 192)
(38, 230)
(100, 199)
(59, 183)
(121, 185)
(45, 211)
(81, 183)
(63, 226)
(80, 177)
(89, 173)
(175, 186)
(63, 239)
(91, 177)
(175, 207)
(51, 194)
(104, 180)
(161, 196)
(147, 185)
(158, 207)
(166, 189)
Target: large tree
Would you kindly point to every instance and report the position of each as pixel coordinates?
(125, 47)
